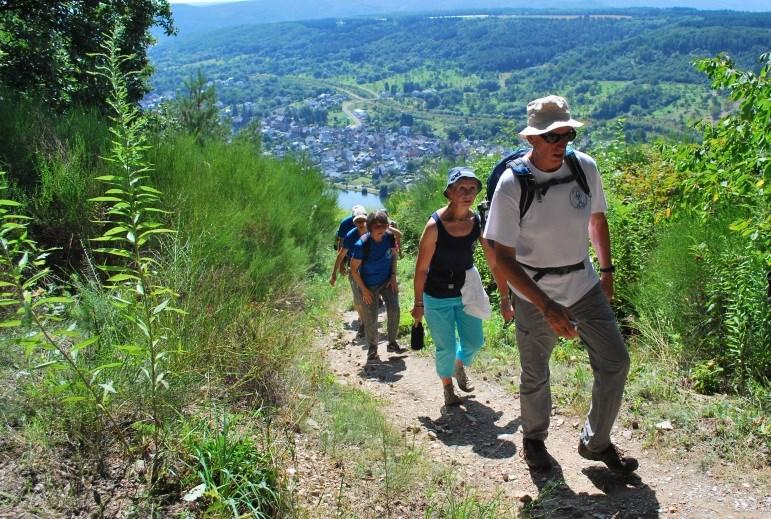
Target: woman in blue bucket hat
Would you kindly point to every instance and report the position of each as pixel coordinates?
(444, 267)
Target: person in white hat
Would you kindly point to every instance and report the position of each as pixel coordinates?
(346, 225)
(544, 257)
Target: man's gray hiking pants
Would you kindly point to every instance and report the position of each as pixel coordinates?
(607, 355)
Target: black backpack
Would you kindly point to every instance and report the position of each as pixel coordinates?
(530, 188)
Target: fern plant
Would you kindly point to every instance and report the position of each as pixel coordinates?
(131, 212)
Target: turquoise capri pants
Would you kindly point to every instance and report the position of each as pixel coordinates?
(444, 317)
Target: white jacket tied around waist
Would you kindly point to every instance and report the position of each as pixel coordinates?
(475, 300)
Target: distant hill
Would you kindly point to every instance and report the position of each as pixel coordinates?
(443, 71)
(192, 19)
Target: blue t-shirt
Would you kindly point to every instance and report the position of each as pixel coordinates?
(350, 240)
(376, 269)
(346, 224)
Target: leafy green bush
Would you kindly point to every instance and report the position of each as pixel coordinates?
(38, 313)
(700, 296)
(707, 377)
(639, 182)
(727, 174)
(731, 169)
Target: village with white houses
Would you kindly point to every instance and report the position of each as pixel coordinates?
(358, 155)
(362, 150)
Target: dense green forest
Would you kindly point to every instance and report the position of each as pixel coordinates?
(162, 281)
(634, 63)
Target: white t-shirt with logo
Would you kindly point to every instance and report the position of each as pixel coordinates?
(554, 231)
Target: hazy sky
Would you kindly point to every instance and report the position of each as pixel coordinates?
(194, 2)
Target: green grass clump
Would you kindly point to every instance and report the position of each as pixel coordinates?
(235, 476)
(452, 501)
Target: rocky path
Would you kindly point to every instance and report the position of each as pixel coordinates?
(482, 439)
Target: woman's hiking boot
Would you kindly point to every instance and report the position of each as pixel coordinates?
(462, 378)
(535, 454)
(372, 354)
(611, 456)
(360, 331)
(450, 398)
(393, 347)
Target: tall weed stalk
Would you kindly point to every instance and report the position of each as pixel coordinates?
(131, 210)
(22, 275)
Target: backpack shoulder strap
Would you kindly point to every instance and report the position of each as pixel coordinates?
(526, 184)
(575, 167)
(366, 247)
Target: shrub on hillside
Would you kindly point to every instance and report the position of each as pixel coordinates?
(51, 159)
(270, 217)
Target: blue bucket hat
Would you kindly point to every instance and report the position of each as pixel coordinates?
(458, 173)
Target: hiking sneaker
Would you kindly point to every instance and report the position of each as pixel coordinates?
(535, 454)
(372, 353)
(360, 332)
(450, 398)
(611, 456)
(393, 347)
(462, 378)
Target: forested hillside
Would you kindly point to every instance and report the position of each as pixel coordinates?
(634, 63)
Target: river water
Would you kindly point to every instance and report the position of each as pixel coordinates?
(348, 199)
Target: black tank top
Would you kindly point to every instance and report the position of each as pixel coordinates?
(452, 257)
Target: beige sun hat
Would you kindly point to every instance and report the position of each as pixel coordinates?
(547, 113)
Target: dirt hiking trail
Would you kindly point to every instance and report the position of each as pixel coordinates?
(482, 439)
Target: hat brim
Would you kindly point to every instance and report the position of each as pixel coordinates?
(531, 130)
(479, 182)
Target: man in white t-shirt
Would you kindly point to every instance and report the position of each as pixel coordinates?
(544, 255)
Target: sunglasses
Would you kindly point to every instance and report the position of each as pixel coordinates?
(553, 138)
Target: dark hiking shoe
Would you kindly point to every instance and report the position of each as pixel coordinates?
(394, 347)
(462, 378)
(611, 456)
(372, 353)
(360, 331)
(450, 398)
(535, 454)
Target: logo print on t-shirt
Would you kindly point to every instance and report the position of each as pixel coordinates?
(578, 198)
